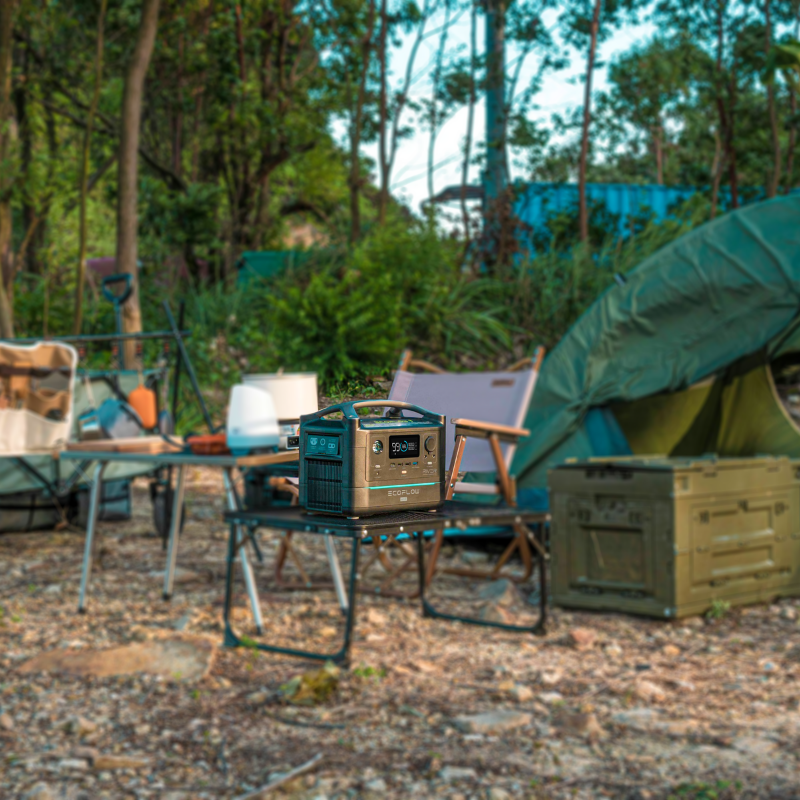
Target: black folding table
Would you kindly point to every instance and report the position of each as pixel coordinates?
(414, 524)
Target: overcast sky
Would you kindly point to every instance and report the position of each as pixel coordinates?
(560, 92)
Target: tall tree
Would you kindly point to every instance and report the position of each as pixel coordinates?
(775, 176)
(128, 164)
(7, 168)
(84, 171)
(649, 86)
(585, 25)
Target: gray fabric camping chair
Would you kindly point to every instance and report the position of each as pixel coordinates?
(486, 408)
(485, 412)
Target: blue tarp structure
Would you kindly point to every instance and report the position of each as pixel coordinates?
(540, 201)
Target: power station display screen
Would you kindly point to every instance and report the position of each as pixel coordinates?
(403, 446)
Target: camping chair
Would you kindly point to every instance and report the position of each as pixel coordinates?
(487, 408)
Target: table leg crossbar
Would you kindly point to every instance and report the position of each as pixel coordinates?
(346, 600)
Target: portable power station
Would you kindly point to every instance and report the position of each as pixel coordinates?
(356, 466)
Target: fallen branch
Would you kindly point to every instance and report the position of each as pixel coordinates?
(289, 776)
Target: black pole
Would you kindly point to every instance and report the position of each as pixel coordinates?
(189, 368)
(177, 377)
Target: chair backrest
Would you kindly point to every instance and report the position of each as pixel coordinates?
(36, 396)
(498, 397)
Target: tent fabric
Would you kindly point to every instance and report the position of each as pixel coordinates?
(725, 291)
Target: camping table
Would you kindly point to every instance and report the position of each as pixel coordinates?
(170, 458)
(452, 516)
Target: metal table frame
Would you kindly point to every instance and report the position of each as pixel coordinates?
(453, 515)
(101, 459)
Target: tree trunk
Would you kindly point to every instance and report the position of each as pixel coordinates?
(716, 173)
(403, 94)
(658, 149)
(733, 176)
(495, 174)
(775, 178)
(177, 120)
(355, 130)
(127, 217)
(383, 121)
(792, 139)
(473, 49)
(434, 108)
(583, 212)
(7, 8)
(84, 174)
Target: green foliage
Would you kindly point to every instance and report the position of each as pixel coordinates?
(719, 609)
(720, 790)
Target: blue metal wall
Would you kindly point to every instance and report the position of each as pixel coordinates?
(539, 201)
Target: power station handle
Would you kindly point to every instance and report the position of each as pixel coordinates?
(348, 410)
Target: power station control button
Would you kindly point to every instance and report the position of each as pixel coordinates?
(430, 443)
(377, 446)
(331, 446)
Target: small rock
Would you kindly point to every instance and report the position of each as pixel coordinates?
(53, 588)
(143, 729)
(119, 762)
(754, 746)
(86, 753)
(375, 617)
(551, 677)
(582, 638)
(6, 722)
(500, 592)
(492, 612)
(649, 692)
(640, 719)
(182, 576)
(521, 693)
(453, 774)
(183, 623)
(613, 650)
(81, 726)
(257, 698)
(551, 698)
(787, 612)
(327, 632)
(72, 763)
(376, 785)
(40, 792)
(496, 793)
(671, 651)
(583, 725)
(493, 722)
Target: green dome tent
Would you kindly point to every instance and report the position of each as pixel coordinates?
(676, 360)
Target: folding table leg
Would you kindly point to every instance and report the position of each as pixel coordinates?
(539, 628)
(241, 540)
(91, 525)
(336, 571)
(340, 657)
(174, 532)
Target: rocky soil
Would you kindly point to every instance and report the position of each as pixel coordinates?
(138, 699)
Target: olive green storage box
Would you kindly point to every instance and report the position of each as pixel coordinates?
(667, 537)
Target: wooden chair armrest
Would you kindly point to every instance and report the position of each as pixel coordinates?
(471, 427)
(426, 365)
(284, 485)
(407, 362)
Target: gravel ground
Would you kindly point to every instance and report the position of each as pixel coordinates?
(605, 705)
